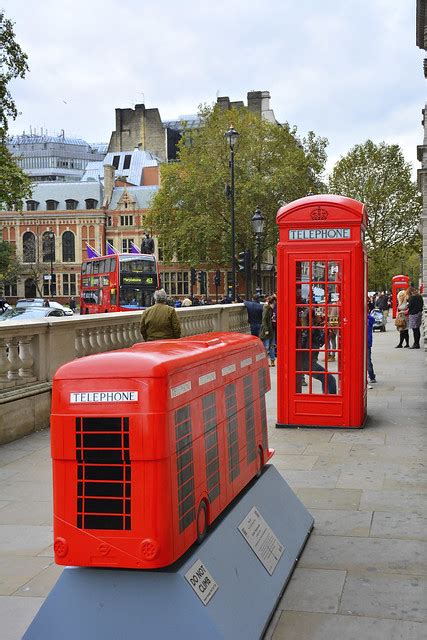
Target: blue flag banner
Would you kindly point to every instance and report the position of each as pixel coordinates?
(134, 248)
(91, 252)
(111, 251)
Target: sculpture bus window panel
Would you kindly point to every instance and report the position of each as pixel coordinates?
(151, 443)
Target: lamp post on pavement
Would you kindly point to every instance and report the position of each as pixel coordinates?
(258, 223)
(51, 237)
(231, 135)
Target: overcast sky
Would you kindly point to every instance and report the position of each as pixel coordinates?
(346, 69)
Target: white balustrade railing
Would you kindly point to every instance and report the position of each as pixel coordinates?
(31, 352)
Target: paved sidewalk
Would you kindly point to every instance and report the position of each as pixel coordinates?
(363, 573)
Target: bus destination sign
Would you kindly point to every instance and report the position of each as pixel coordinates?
(320, 234)
(135, 279)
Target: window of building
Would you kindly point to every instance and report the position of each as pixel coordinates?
(91, 203)
(175, 282)
(69, 287)
(32, 205)
(51, 205)
(126, 245)
(10, 289)
(48, 246)
(71, 204)
(116, 160)
(109, 221)
(126, 221)
(29, 247)
(126, 163)
(68, 247)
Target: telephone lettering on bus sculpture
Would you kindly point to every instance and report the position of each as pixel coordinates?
(151, 443)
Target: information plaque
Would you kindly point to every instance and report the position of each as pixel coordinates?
(261, 539)
(201, 581)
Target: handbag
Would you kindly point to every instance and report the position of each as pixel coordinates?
(400, 321)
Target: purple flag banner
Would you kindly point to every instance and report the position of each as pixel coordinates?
(91, 252)
(111, 251)
(134, 248)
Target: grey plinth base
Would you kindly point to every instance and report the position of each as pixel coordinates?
(89, 603)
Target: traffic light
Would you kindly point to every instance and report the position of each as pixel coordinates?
(245, 261)
(201, 277)
(242, 261)
(248, 262)
(193, 276)
(217, 278)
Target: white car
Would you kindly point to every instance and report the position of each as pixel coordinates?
(25, 303)
(31, 313)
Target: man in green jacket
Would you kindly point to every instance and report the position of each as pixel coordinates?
(160, 321)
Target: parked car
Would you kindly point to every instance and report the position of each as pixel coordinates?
(31, 313)
(24, 303)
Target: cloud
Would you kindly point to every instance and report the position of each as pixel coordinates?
(347, 70)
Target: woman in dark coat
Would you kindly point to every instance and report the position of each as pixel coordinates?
(415, 308)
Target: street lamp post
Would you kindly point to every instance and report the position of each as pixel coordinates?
(51, 237)
(258, 222)
(231, 135)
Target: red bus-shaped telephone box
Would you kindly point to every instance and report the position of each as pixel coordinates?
(151, 443)
(321, 319)
(397, 284)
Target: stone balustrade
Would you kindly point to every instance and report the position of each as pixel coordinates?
(31, 352)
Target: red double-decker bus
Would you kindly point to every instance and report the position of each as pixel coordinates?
(150, 444)
(122, 282)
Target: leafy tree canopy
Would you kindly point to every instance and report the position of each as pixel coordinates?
(379, 176)
(14, 184)
(191, 212)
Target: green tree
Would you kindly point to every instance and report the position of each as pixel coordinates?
(379, 176)
(14, 184)
(9, 266)
(191, 212)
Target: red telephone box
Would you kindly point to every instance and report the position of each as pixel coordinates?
(321, 327)
(397, 284)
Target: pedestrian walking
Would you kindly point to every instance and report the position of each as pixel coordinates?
(73, 304)
(160, 321)
(415, 312)
(382, 303)
(254, 310)
(371, 372)
(401, 321)
(266, 333)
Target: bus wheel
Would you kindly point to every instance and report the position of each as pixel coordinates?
(202, 521)
(259, 462)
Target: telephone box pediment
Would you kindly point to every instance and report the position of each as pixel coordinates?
(323, 209)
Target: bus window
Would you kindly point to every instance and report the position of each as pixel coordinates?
(89, 267)
(137, 265)
(112, 264)
(96, 267)
(91, 297)
(84, 267)
(133, 297)
(113, 296)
